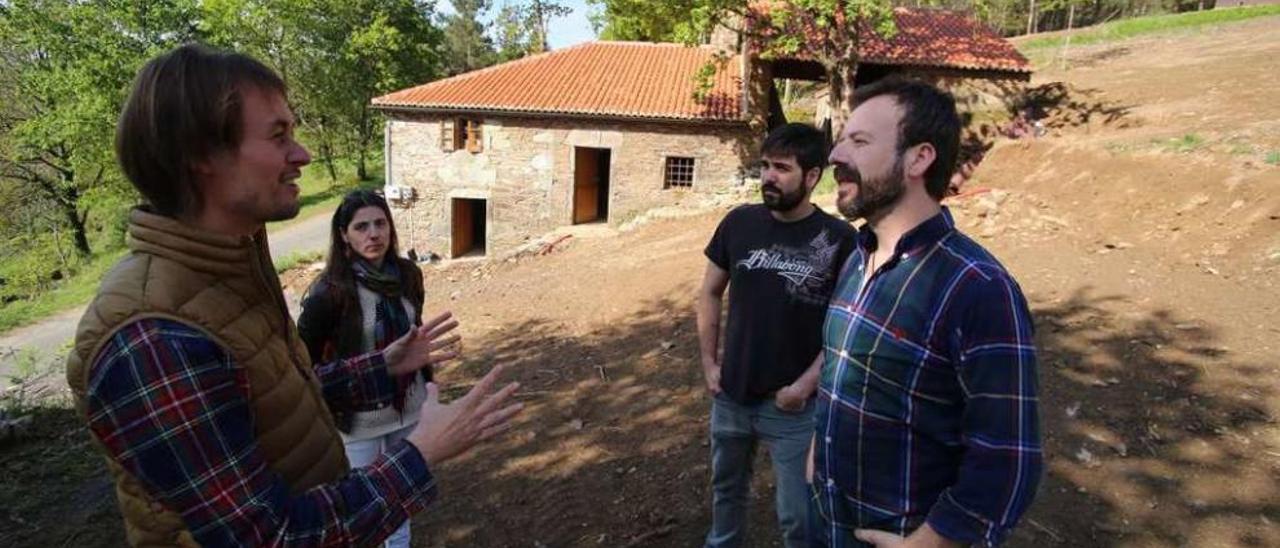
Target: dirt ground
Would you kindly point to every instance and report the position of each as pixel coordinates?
(1144, 228)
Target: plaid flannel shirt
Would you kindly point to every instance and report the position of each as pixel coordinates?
(927, 407)
(171, 407)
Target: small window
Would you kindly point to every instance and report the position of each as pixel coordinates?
(678, 173)
(468, 135)
(461, 133)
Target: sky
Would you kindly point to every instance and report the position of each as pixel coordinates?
(571, 29)
(561, 31)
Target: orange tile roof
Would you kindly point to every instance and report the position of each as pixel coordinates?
(942, 38)
(939, 38)
(615, 79)
(656, 81)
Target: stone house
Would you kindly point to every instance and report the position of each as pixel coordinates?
(483, 162)
(592, 133)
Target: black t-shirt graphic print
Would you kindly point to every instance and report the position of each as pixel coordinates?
(781, 275)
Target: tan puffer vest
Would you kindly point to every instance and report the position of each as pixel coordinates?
(227, 288)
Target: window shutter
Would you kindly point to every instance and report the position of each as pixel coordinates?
(475, 139)
(446, 136)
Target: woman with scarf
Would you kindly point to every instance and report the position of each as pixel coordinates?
(365, 298)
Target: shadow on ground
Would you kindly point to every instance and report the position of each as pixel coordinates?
(1150, 428)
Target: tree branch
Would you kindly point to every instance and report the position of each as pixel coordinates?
(67, 173)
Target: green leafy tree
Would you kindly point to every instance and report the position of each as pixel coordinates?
(521, 28)
(539, 15)
(336, 56)
(65, 69)
(512, 35)
(642, 20)
(467, 47)
(389, 45)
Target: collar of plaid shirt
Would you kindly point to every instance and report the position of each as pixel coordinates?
(924, 234)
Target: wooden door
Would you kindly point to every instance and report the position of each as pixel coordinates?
(586, 189)
(463, 231)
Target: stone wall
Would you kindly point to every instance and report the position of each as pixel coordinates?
(526, 172)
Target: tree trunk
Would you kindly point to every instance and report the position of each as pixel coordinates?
(540, 27)
(1066, 45)
(328, 165)
(325, 147)
(840, 83)
(57, 245)
(363, 139)
(1031, 17)
(77, 229)
(68, 200)
(326, 156)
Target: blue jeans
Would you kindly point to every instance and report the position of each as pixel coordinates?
(735, 431)
(362, 453)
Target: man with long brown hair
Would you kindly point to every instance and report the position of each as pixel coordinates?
(189, 370)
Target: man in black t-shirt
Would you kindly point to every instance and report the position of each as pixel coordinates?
(780, 261)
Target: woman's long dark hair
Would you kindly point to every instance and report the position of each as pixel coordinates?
(338, 271)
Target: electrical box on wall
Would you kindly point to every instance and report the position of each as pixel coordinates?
(399, 194)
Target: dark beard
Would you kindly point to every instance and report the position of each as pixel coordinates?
(781, 201)
(285, 213)
(874, 195)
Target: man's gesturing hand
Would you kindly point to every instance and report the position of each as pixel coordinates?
(445, 431)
